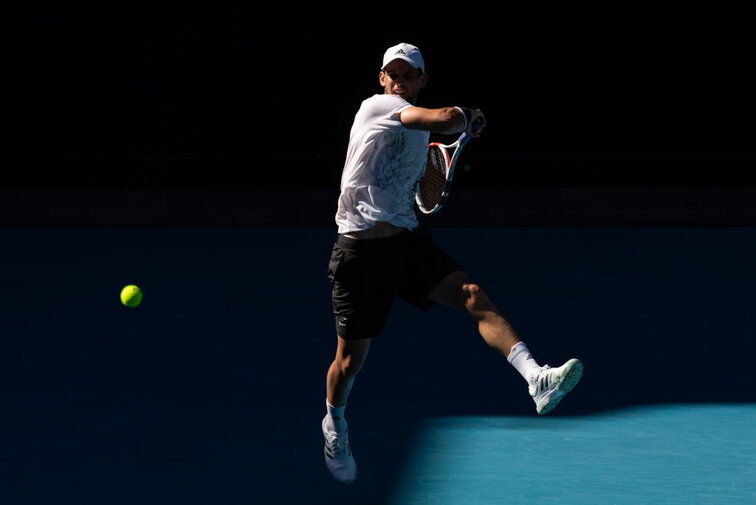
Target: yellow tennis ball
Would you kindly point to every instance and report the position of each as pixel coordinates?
(131, 296)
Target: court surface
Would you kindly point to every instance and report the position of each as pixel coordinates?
(693, 454)
(212, 391)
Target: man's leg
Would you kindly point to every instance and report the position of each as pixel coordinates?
(459, 292)
(546, 385)
(350, 355)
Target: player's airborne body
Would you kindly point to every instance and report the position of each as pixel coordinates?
(382, 252)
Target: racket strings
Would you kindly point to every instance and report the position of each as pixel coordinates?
(433, 181)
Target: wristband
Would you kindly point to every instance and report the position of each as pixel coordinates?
(467, 114)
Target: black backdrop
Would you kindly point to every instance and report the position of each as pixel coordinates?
(228, 94)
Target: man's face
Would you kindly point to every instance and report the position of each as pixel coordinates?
(401, 78)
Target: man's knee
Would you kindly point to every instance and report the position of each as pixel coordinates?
(476, 300)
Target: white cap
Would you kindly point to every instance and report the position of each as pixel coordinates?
(406, 52)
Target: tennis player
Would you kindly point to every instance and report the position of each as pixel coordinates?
(382, 252)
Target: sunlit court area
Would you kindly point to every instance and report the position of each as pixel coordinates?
(169, 188)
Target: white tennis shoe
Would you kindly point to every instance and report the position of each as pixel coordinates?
(551, 384)
(338, 455)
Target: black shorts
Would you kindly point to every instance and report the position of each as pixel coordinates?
(368, 274)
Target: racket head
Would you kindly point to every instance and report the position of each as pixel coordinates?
(432, 186)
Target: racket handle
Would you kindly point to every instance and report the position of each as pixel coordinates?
(477, 124)
(475, 121)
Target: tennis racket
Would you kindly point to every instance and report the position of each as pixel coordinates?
(433, 187)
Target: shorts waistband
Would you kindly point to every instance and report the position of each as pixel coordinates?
(354, 244)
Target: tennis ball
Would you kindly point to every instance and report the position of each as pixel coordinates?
(131, 296)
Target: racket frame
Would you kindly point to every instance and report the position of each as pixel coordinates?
(451, 163)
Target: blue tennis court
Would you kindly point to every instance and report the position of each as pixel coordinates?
(668, 454)
(212, 391)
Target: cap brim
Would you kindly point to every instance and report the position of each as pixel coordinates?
(408, 60)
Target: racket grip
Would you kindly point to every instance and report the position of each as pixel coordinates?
(477, 125)
(475, 121)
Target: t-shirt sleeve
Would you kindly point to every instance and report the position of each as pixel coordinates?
(386, 108)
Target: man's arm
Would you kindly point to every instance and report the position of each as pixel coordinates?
(446, 120)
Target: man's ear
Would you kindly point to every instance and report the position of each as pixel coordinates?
(381, 78)
(423, 80)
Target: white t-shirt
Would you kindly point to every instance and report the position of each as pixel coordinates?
(384, 161)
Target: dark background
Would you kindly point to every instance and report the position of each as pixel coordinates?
(231, 95)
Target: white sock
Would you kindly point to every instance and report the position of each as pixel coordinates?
(335, 418)
(521, 359)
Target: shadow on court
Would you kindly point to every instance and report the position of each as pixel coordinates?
(212, 391)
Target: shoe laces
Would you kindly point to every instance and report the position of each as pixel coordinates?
(338, 442)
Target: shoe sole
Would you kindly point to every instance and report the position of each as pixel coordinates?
(343, 482)
(573, 371)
